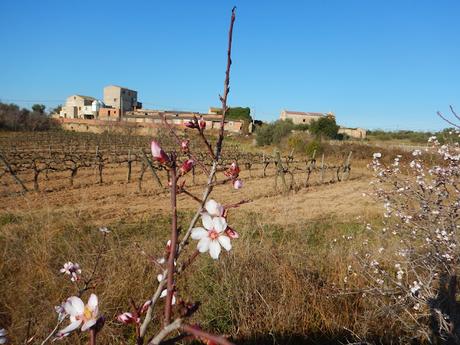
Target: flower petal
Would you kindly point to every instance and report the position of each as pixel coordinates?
(74, 306)
(220, 224)
(214, 249)
(70, 328)
(225, 242)
(88, 324)
(207, 221)
(214, 208)
(203, 245)
(92, 302)
(199, 233)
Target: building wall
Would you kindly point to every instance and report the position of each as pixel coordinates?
(357, 133)
(121, 98)
(76, 107)
(109, 114)
(299, 118)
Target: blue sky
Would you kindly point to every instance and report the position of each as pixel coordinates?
(387, 64)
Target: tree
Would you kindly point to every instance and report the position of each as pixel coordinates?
(324, 127)
(56, 110)
(38, 108)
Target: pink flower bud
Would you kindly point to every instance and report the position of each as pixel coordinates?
(158, 153)
(233, 171)
(145, 306)
(191, 124)
(202, 123)
(231, 233)
(127, 318)
(237, 184)
(186, 167)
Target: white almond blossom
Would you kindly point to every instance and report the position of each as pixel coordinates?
(212, 236)
(80, 314)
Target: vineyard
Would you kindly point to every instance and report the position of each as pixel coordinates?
(61, 160)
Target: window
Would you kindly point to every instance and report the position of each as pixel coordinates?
(114, 99)
(108, 112)
(303, 120)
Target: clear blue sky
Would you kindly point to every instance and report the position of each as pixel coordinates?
(387, 64)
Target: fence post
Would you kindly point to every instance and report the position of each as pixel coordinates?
(321, 177)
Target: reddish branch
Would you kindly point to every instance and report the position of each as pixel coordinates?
(172, 254)
(204, 335)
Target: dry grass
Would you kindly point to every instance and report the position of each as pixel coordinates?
(282, 283)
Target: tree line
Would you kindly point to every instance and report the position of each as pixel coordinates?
(14, 118)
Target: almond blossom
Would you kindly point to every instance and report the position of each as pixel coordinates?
(213, 236)
(71, 269)
(80, 314)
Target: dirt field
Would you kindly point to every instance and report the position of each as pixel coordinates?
(117, 199)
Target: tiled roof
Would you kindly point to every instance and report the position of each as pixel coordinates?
(289, 112)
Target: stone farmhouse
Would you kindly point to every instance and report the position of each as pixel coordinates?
(120, 105)
(299, 117)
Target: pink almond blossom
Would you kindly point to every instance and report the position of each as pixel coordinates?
(72, 269)
(184, 145)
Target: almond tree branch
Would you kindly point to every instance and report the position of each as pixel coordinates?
(201, 334)
(174, 234)
(226, 87)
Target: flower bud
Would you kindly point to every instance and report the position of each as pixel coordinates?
(158, 153)
(191, 124)
(127, 318)
(186, 167)
(231, 233)
(237, 184)
(233, 171)
(202, 123)
(145, 306)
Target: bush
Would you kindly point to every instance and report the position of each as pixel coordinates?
(324, 127)
(273, 133)
(313, 146)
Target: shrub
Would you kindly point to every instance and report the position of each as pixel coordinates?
(273, 133)
(324, 127)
